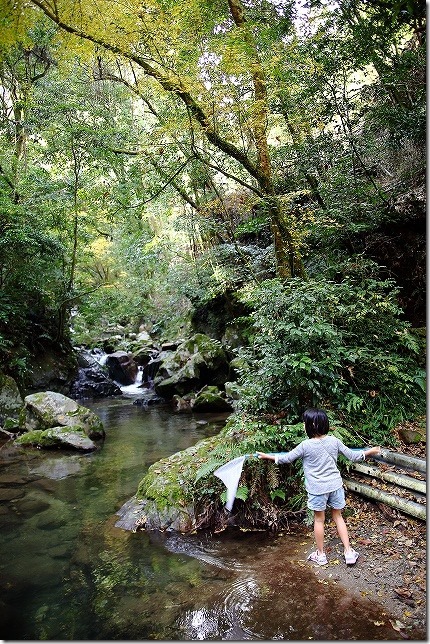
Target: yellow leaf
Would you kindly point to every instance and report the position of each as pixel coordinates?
(379, 623)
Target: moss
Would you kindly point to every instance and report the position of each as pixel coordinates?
(39, 438)
(170, 482)
(11, 402)
(50, 409)
(67, 437)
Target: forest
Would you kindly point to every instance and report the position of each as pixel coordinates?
(251, 168)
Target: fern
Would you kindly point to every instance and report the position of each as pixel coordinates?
(273, 477)
(208, 468)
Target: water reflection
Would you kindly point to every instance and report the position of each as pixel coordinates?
(69, 574)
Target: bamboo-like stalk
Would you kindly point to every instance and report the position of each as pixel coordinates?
(404, 505)
(391, 477)
(403, 460)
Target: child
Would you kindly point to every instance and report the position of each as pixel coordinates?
(322, 478)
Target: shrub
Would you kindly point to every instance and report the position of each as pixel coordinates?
(341, 346)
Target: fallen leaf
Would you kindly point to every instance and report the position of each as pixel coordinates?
(379, 623)
(397, 625)
(403, 592)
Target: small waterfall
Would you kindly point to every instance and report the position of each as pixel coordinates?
(136, 387)
(99, 356)
(143, 385)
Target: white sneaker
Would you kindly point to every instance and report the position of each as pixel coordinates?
(351, 557)
(321, 560)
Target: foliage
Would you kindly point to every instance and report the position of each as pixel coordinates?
(262, 484)
(137, 156)
(341, 346)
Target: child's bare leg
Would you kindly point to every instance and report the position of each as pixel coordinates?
(341, 528)
(319, 518)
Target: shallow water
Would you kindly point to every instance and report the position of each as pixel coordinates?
(67, 573)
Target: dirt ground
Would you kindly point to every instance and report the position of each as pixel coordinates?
(391, 569)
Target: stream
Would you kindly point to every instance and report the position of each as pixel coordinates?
(67, 573)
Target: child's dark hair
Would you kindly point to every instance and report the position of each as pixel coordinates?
(316, 422)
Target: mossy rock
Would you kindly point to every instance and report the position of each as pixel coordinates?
(68, 437)
(180, 493)
(12, 411)
(210, 399)
(165, 496)
(49, 409)
(198, 361)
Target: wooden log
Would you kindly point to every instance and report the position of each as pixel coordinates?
(407, 482)
(403, 460)
(404, 505)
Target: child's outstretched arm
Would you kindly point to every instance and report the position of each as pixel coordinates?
(281, 458)
(263, 455)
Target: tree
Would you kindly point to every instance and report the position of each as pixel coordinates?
(166, 55)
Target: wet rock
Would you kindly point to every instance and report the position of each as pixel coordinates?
(181, 405)
(8, 494)
(92, 381)
(61, 551)
(57, 469)
(49, 409)
(122, 367)
(32, 505)
(210, 399)
(74, 438)
(135, 515)
(50, 523)
(12, 414)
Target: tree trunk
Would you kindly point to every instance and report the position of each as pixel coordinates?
(289, 262)
(404, 505)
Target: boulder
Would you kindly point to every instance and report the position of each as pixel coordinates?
(92, 381)
(47, 410)
(210, 399)
(122, 367)
(197, 361)
(52, 369)
(12, 415)
(164, 498)
(66, 437)
(181, 405)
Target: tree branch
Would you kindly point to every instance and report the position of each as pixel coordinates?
(171, 85)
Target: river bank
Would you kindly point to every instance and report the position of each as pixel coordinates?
(391, 569)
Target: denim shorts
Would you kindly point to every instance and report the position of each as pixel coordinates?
(335, 500)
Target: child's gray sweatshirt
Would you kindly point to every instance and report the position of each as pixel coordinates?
(320, 462)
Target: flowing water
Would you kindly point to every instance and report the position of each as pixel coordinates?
(67, 573)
